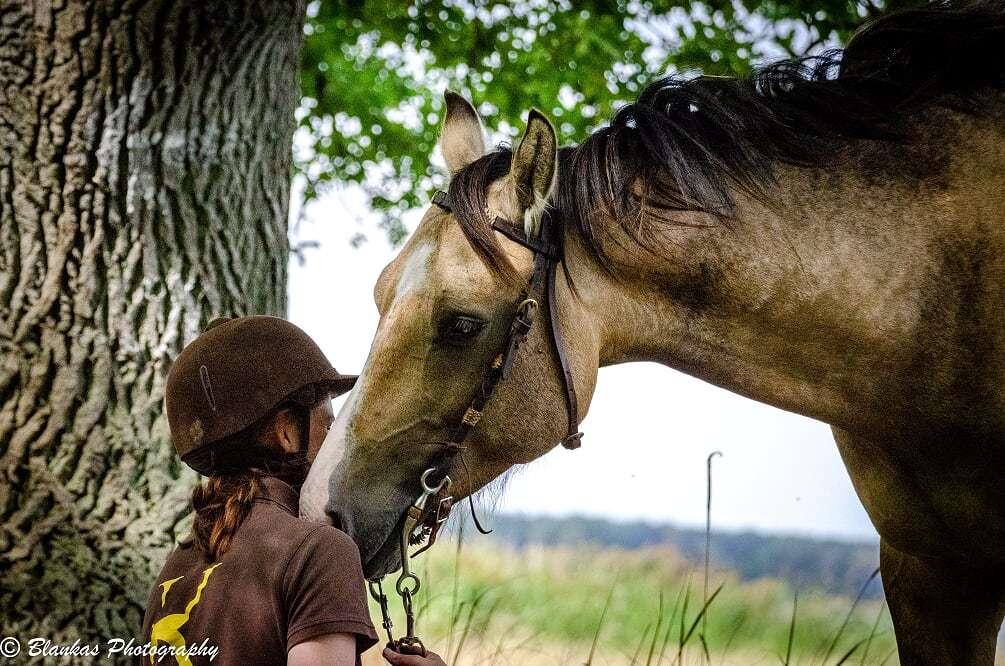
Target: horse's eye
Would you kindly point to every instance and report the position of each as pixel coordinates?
(460, 328)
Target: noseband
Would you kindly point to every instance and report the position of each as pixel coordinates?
(429, 511)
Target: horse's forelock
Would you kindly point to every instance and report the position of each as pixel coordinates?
(468, 194)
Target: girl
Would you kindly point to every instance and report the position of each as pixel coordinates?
(249, 404)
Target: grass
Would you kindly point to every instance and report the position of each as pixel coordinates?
(485, 603)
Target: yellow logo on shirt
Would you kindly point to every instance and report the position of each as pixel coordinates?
(168, 628)
(165, 586)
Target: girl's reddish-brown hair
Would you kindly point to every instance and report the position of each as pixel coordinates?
(224, 500)
(221, 505)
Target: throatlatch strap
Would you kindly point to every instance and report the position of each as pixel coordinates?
(574, 436)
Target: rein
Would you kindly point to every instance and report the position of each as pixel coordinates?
(430, 510)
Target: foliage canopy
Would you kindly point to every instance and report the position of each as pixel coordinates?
(373, 73)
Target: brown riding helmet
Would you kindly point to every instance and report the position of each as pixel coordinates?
(234, 374)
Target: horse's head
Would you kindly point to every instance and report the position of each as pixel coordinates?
(446, 304)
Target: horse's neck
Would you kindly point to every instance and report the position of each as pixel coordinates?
(856, 298)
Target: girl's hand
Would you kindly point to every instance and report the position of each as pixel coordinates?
(396, 659)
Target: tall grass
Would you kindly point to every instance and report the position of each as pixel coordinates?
(489, 604)
(540, 605)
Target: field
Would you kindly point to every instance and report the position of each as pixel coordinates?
(484, 602)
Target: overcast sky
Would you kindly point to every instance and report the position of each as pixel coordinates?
(648, 432)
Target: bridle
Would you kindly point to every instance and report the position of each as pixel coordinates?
(547, 256)
(430, 510)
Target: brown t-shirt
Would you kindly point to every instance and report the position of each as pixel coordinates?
(282, 582)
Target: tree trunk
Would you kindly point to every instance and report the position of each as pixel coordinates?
(145, 157)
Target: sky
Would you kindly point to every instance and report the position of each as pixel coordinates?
(648, 432)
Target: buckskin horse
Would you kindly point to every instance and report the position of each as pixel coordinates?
(826, 236)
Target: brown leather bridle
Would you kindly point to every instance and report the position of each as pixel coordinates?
(547, 256)
(429, 511)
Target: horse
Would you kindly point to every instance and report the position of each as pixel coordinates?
(826, 235)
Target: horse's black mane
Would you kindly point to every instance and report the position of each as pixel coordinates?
(689, 143)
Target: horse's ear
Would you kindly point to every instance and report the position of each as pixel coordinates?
(533, 170)
(462, 140)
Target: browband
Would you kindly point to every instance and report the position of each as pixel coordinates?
(507, 229)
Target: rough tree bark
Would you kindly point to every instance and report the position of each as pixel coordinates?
(145, 156)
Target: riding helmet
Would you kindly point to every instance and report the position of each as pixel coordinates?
(233, 375)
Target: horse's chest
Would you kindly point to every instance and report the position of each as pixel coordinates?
(950, 505)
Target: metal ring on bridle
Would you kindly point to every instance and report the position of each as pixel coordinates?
(444, 482)
(400, 584)
(527, 302)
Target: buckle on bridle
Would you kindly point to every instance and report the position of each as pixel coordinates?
(526, 312)
(523, 321)
(573, 441)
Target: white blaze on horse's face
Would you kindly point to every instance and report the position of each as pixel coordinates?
(444, 316)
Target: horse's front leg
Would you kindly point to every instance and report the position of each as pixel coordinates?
(944, 613)
(946, 607)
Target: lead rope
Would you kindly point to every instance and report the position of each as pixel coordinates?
(409, 643)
